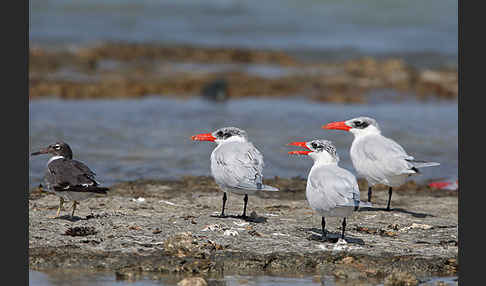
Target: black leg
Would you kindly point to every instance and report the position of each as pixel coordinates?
(369, 194)
(224, 203)
(74, 208)
(344, 228)
(389, 198)
(323, 225)
(244, 208)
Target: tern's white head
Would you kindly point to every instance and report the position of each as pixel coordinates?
(359, 126)
(321, 151)
(223, 135)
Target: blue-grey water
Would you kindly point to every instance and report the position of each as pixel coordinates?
(149, 138)
(427, 29)
(59, 278)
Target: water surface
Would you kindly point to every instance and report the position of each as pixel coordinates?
(426, 29)
(58, 278)
(123, 140)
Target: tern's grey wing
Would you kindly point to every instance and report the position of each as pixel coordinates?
(385, 156)
(331, 186)
(238, 165)
(66, 172)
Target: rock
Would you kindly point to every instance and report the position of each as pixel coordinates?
(139, 200)
(181, 244)
(401, 279)
(80, 231)
(230, 232)
(338, 82)
(213, 227)
(340, 274)
(416, 226)
(347, 260)
(155, 237)
(192, 281)
(129, 276)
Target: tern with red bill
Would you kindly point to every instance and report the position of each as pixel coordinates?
(67, 178)
(331, 191)
(377, 158)
(236, 165)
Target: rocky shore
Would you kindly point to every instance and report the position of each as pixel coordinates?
(121, 70)
(172, 228)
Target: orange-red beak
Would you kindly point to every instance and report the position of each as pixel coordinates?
(204, 137)
(340, 125)
(300, 144)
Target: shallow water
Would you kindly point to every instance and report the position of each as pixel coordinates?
(58, 278)
(427, 29)
(149, 138)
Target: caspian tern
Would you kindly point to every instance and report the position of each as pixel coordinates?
(236, 164)
(377, 158)
(67, 178)
(331, 190)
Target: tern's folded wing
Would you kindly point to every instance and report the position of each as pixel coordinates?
(332, 186)
(238, 165)
(386, 156)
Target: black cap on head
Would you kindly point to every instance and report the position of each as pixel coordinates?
(227, 132)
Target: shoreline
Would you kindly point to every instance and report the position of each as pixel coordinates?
(167, 227)
(123, 70)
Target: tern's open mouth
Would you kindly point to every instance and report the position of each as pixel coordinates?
(300, 152)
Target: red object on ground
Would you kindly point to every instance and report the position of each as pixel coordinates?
(445, 185)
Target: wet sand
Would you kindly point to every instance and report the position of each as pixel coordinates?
(171, 227)
(121, 70)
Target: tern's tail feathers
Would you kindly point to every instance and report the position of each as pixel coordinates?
(365, 204)
(268, 188)
(257, 187)
(422, 164)
(361, 204)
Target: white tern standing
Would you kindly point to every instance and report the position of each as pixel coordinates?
(377, 158)
(236, 165)
(331, 190)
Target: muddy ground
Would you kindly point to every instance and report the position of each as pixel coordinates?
(171, 227)
(122, 70)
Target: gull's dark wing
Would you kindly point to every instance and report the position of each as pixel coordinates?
(69, 173)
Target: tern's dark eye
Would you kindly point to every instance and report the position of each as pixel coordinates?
(314, 145)
(219, 134)
(360, 124)
(227, 135)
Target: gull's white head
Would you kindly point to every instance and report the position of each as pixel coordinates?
(320, 150)
(223, 135)
(359, 126)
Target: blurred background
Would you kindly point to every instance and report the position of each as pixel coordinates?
(126, 83)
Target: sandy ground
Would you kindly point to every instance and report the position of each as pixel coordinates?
(171, 227)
